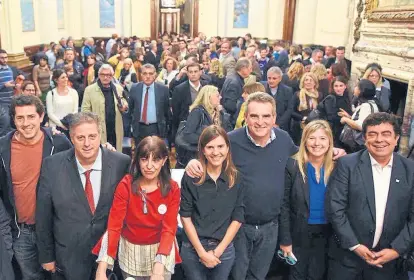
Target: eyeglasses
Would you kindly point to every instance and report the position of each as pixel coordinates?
(143, 194)
(106, 75)
(289, 259)
(147, 73)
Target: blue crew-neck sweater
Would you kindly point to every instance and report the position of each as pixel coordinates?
(316, 196)
(263, 170)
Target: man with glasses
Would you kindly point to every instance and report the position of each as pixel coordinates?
(8, 74)
(149, 108)
(106, 100)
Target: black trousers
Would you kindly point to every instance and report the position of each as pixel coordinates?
(146, 130)
(312, 258)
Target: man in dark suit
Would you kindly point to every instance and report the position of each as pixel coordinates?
(6, 244)
(370, 203)
(340, 55)
(152, 57)
(185, 94)
(76, 189)
(149, 108)
(282, 95)
(233, 85)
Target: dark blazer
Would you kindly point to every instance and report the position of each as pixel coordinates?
(152, 59)
(65, 226)
(332, 61)
(205, 78)
(283, 98)
(52, 144)
(295, 210)
(350, 207)
(6, 243)
(161, 104)
(231, 92)
(181, 102)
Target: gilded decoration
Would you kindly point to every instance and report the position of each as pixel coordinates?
(375, 12)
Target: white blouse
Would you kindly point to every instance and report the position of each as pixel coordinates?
(58, 106)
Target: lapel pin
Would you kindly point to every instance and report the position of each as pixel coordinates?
(396, 180)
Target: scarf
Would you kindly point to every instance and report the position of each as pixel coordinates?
(303, 103)
(123, 75)
(114, 91)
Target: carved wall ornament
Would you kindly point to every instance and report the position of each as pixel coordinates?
(357, 24)
(370, 5)
(374, 12)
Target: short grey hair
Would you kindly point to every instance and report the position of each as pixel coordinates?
(83, 117)
(261, 97)
(315, 51)
(148, 66)
(275, 70)
(243, 62)
(106, 67)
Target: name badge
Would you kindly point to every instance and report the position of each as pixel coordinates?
(162, 209)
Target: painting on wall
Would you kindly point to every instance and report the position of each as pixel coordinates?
(28, 20)
(241, 14)
(60, 14)
(107, 13)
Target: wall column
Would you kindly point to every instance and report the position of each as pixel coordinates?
(289, 20)
(11, 33)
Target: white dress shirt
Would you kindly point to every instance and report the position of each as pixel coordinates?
(381, 176)
(95, 176)
(197, 88)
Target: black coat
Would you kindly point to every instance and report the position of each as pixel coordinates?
(293, 84)
(331, 106)
(6, 243)
(283, 98)
(152, 59)
(231, 92)
(4, 120)
(162, 104)
(52, 144)
(350, 207)
(65, 226)
(295, 209)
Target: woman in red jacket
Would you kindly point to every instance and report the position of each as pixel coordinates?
(143, 218)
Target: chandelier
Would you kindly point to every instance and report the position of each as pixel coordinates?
(179, 3)
(171, 3)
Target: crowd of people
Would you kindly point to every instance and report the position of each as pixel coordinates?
(262, 131)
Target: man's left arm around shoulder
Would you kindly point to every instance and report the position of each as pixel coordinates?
(44, 217)
(403, 242)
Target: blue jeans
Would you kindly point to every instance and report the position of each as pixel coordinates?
(255, 247)
(411, 275)
(195, 270)
(26, 254)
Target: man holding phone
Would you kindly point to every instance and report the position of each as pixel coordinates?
(8, 74)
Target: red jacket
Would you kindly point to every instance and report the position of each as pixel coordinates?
(127, 218)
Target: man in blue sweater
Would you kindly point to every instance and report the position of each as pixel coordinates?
(260, 153)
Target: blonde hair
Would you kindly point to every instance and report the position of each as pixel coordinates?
(303, 104)
(369, 71)
(254, 87)
(203, 99)
(302, 155)
(217, 68)
(319, 70)
(296, 71)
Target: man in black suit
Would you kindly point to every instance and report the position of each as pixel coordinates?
(149, 108)
(152, 57)
(340, 55)
(233, 85)
(370, 203)
(6, 243)
(75, 194)
(282, 95)
(185, 94)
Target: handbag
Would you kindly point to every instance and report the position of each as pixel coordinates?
(180, 140)
(320, 113)
(351, 137)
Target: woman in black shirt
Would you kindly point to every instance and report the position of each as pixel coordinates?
(335, 104)
(211, 210)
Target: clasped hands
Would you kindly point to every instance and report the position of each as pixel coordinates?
(377, 259)
(210, 258)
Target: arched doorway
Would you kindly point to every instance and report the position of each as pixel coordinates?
(166, 16)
